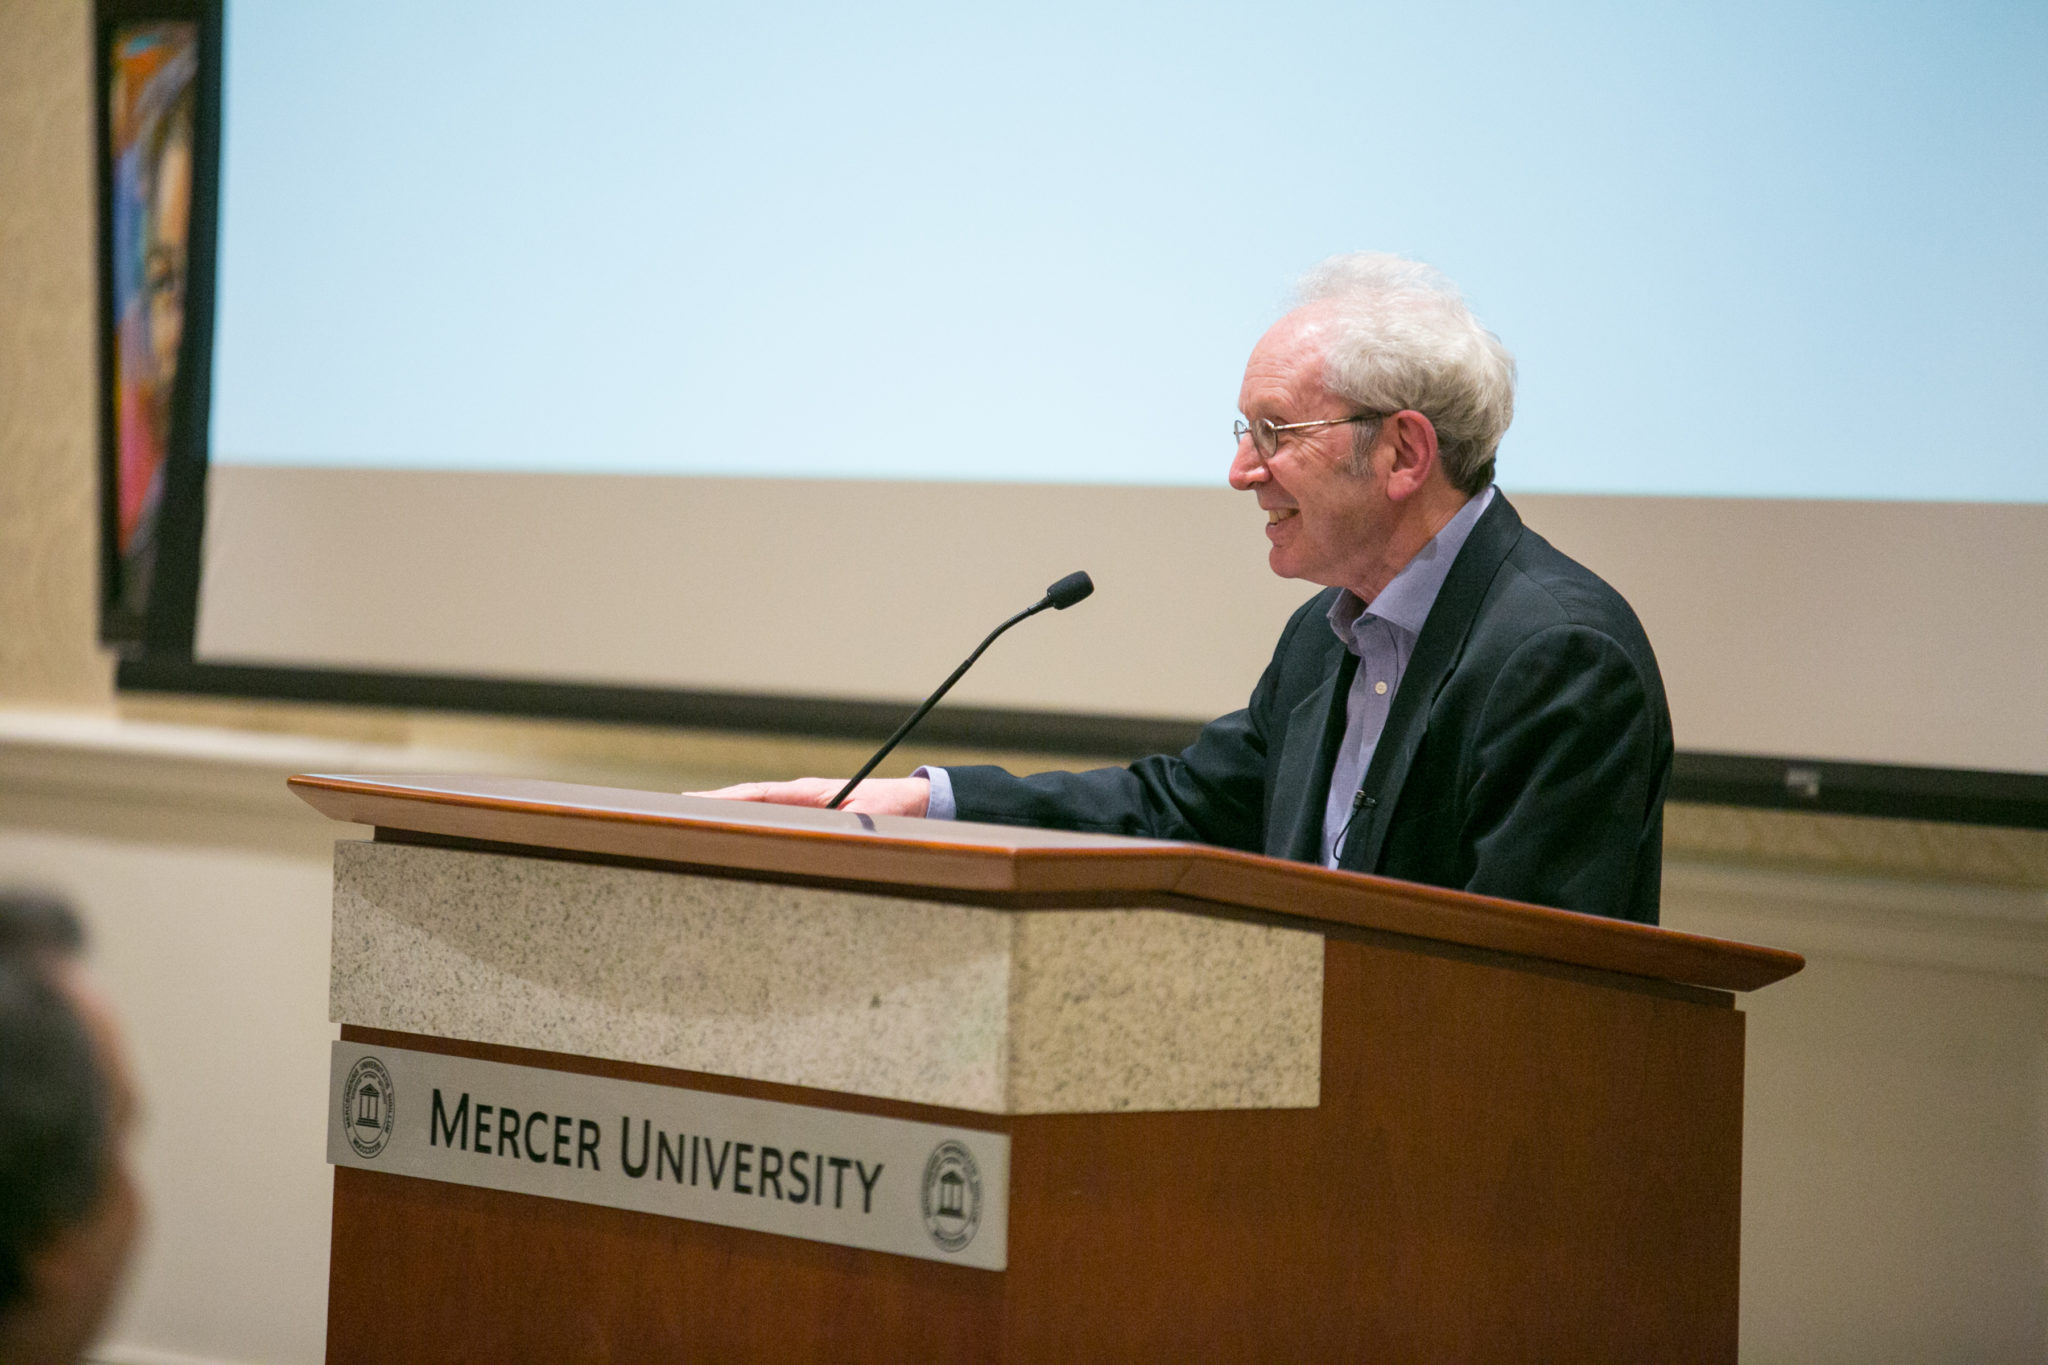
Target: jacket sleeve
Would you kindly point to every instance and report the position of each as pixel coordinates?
(1212, 792)
(1565, 774)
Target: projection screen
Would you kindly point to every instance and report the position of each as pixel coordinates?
(783, 349)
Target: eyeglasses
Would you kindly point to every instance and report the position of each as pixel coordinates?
(1265, 432)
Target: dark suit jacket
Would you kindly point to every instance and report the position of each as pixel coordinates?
(1526, 754)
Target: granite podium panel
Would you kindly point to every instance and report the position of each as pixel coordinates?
(961, 1006)
(1240, 1109)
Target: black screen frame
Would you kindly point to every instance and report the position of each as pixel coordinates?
(157, 651)
(1948, 795)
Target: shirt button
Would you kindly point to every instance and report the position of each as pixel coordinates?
(1380, 688)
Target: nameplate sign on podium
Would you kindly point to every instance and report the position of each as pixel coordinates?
(857, 1180)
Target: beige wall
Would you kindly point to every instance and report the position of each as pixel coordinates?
(48, 573)
(1896, 1198)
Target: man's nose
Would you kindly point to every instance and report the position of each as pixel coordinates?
(1247, 469)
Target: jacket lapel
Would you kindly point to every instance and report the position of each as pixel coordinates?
(1301, 781)
(1436, 654)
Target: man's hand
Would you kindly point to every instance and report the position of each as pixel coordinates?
(876, 796)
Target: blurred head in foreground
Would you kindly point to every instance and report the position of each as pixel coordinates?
(69, 1208)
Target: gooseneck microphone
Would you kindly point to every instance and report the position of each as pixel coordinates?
(1061, 595)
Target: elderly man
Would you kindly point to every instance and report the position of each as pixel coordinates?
(1462, 705)
(69, 1210)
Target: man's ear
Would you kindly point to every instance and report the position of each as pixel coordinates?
(1413, 438)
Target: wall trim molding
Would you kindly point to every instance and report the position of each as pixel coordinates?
(93, 773)
(1940, 924)
(116, 1353)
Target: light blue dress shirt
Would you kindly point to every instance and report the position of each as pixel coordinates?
(1382, 634)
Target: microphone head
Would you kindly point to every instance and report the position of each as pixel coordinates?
(1069, 590)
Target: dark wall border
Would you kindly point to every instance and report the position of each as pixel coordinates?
(1959, 796)
(1950, 795)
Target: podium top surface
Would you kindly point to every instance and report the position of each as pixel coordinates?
(1001, 864)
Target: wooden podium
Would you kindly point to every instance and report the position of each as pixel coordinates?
(1255, 1110)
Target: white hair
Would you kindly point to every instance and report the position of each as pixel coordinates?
(1402, 337)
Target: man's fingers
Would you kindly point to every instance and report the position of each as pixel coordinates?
(804, 791)
(739, 791)
(876, 796)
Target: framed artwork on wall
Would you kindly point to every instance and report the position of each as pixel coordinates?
(157, 68)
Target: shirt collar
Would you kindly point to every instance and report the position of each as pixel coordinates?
(1405, 602)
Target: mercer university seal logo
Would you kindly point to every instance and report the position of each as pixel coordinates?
(368, 1107)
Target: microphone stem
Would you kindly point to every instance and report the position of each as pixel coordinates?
(931, 701)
